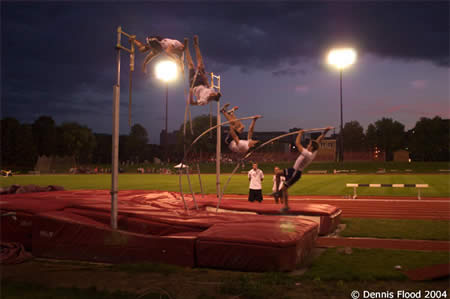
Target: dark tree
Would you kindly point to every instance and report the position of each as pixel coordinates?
(389, 136)
(429, 140)
(371, 137)
(44, 135)
(9, 131)
(103, 149)
(136, 143)
(200, 124)
(353, 136)
(26, 150)
(77, 141)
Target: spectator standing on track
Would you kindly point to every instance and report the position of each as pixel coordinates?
(255, 176)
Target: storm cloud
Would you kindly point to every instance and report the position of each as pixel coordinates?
(59, 57)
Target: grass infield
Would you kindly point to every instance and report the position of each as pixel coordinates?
(308, 185)
(333, 274)
(397, 229)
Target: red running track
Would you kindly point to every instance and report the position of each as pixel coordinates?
(391, 209)
(436, 209)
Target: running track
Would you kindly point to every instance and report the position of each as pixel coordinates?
(404, 208)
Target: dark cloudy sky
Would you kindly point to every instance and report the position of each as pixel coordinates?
(58, 59)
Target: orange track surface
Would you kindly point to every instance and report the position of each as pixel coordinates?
(430, 209)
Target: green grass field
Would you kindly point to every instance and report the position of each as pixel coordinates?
(397, 229)
(333, 274)
(361, 167)
(371, 264)
(308, 185)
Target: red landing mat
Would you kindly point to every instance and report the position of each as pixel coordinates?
(70, 236)
(13, 253)
(278, 245)
(16, 227)
(329, 216)
(153, 226)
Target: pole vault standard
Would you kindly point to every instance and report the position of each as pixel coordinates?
(219, 133)
(115, 130)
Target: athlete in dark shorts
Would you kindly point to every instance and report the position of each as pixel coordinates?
(294, 173)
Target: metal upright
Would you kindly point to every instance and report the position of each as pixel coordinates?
(341, 131)
(115, 124)
(219, 137)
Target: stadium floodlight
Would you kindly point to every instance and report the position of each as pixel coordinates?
(166, 70)
(341, 59)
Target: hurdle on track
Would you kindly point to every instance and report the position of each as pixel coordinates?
(418, 186)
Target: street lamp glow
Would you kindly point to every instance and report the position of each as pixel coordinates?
(342, 58)
(166, 70)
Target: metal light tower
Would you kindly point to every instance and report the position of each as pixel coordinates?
(166, 71)
(341, 58)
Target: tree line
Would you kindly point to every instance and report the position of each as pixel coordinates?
(22, 144)
(428, 141)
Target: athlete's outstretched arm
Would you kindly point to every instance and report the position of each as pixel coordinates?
(319, 139)
(297, 141)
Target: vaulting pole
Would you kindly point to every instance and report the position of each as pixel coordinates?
(282, 136)
(200, 180)
(216, 126)
(190, 188)
(218, 150)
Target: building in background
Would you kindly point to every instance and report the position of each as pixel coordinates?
(327, 150)
(401, 156)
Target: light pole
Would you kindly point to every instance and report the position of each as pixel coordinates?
(341, 58)
(166, 71)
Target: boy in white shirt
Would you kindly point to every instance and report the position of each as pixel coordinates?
(293, 174)
(255, 176)
(276, 187)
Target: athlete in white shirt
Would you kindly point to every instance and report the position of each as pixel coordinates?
(242, 146)
(198, 81)
(157, 45)
(255, 176)
(276, 187)
(304, 159)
